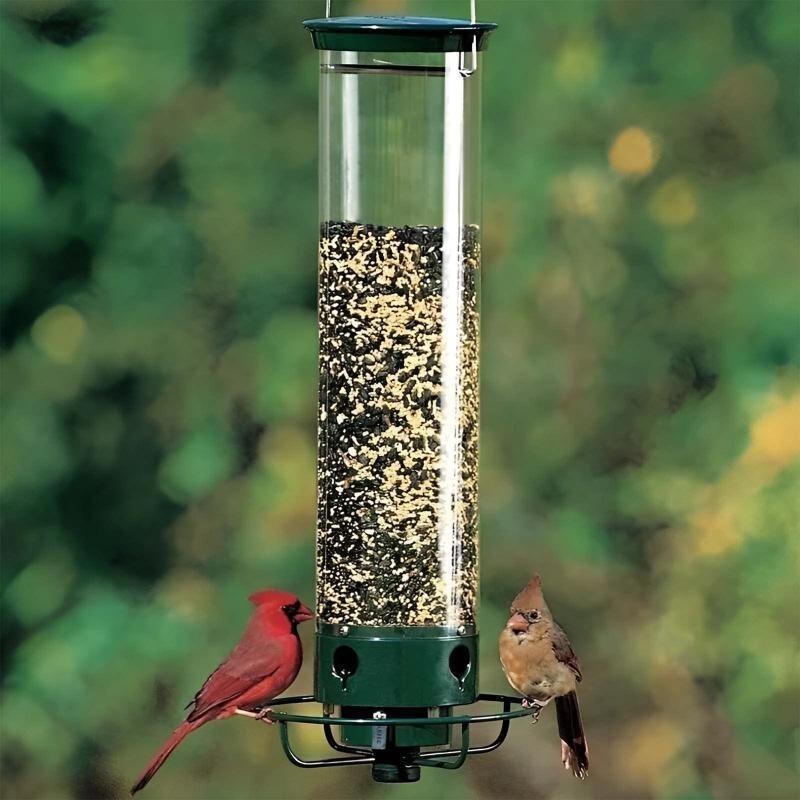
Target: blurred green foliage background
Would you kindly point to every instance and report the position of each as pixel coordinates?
(641, 403)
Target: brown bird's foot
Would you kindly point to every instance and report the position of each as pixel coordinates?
(263, 715)
(536, 706)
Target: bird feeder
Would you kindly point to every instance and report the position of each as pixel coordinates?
(399, 258)
(399, 276)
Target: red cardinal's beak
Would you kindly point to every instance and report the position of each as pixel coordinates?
(303, 613)
(517, 623)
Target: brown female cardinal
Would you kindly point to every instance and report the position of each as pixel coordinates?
(540, 664)
(263, 664)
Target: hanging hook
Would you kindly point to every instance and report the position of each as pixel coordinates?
(468, 61)
(473, 19)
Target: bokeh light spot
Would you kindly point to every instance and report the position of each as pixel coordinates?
(41, 587)
(188, 593)
(716, 531)
(578, 61)
(646, 748)
(674, 203)
(58, 333)
(585, 193)
(775, 436)
(633, 153)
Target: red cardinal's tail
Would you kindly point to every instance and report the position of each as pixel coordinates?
(574, 750)
(178, 735)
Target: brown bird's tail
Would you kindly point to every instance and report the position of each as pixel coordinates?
(574, 750)
(178, 735)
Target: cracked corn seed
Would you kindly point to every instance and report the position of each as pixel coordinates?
(380, 561)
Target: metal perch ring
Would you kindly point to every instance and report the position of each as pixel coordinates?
(443, 759)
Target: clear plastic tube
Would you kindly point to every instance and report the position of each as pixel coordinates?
(399, 275)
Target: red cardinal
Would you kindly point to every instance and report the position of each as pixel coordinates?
(263, 664)
(540, 664)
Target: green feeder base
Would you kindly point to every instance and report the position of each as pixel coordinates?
(395, 667)
(379, 672)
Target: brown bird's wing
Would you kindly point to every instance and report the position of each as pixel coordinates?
(251, 661)
(563, 651)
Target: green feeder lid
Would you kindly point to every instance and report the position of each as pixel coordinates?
(398, 34)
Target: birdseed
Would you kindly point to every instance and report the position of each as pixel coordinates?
(384, 553)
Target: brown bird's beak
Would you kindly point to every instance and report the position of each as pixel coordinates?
(517, 623)
(303, 613)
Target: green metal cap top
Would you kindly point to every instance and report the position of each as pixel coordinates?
(398, 34)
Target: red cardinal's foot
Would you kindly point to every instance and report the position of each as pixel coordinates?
(263, 716)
